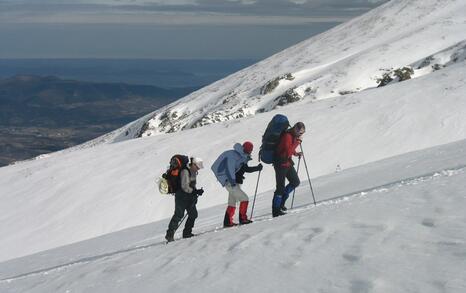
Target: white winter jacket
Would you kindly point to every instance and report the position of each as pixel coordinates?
(228, 163)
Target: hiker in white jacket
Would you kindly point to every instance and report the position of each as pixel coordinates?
(229, 168)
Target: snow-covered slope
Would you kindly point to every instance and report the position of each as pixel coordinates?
(419, 34)
(79, 194)
(396, 225)
(71, 196)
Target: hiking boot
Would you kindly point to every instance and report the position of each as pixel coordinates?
(228, 225)
(188, 235)
(243, 208)
(283, 208)
(245, 222)
(277, 213)
(170, 236)
(228, 220)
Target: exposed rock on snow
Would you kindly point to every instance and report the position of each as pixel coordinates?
(397, 75)
(290, 96)
(423, 35)
(273, 84)
(437, 61)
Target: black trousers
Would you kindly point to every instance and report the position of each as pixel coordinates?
(282, 192)
(184, 202)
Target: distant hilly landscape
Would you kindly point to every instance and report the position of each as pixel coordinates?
(42, 114)
(161, 73)
(51, 104)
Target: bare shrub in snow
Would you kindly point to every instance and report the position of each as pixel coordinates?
(290, 96)
(273, 84)
(346, 92)
(403, 73)
(436, 67)
(397, 75)
(385, 79)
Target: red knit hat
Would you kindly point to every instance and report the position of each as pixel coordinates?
(247, 147)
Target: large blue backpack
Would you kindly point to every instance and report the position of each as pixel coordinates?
(271, 138)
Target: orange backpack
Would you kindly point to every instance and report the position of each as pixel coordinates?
(172, 176)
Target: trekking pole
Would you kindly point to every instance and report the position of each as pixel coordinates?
(294, 190)
(255, 194)
(307, 171)
(181, 222)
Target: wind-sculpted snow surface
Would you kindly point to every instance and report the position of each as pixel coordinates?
(396, 225)
(350, 58)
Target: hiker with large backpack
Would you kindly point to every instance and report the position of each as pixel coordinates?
(284, 167)
(278, 146)
(182, 181)
(229, 168)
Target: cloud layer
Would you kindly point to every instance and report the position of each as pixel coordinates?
(165, 29)
(183, 12)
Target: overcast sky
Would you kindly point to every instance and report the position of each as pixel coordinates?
(165, 29)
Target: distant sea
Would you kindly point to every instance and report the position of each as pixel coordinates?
(161, 73)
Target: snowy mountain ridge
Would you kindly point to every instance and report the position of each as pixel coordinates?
(76, 195)
(352, 57)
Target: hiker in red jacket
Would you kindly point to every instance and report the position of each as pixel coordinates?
(284, 167)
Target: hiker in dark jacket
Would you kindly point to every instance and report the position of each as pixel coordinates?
(186, 199)
(229, 169)
(284, 167)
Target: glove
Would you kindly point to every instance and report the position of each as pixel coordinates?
(260, 167)
(299, 154)
(199, 191)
